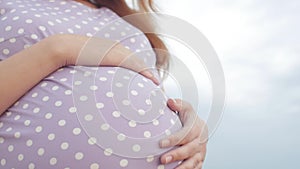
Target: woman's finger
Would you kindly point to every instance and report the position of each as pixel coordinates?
(191, 126)
(182, 153)
(192, 163)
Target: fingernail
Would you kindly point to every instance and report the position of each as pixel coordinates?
(168, 159)
(165, 143)
(174, 101)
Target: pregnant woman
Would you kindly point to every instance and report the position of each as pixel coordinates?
(76, 91)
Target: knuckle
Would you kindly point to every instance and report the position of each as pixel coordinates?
(181, 154)
(174, 139)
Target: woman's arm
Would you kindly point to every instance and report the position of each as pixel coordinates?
(20, 72)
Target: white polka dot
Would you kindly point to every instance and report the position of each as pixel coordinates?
(27, 122)
(8, 129)
(150, 158)
(58, 103)
(8, 28)
(112, 28)
(161, 111)
(20, 157)
(126, 102)
(109, 94)
(50, 23)
(155, 122)
(70, 31)
(79, 156)
(118, 84)
(105, 126)
(72, 109)
(34, 36)
(10, 148)
(168, 132)
(141, 112)
(48, 116)
(132, 123)
(146, 80)
(88, 117)
(42, 28)
(121, 137)
(51, 136)
(20, 31)
(147, 134)
(1, 125)
(63, 79)
(87, 74)
(116, 114)
(94, 166)
(17, 117)
(77, 83)
(103, 79)
(132, 40)
(38, 129)
(123, 163)
(45, 98)
(134, 92)
(83, 98)
(3, 162)
(8, 114)
(123, 33)
(41, 151)
(94, 87)
(76, 131)
(62, 122)
(25, 106)
(108, 152)
(126, 77)
(1, 140)
(99, 105)
(148, 102)
(111, 72)
(31, 166)
(53, 161)
(29, 143)
(68, 92)
(161, 167)
(44, 84)
(136, 148)
(17, 135)
(64, 145)
(92, 140)
(54, 88)
(28, 20)
(12, 40)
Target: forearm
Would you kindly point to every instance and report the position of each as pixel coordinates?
(20, 72)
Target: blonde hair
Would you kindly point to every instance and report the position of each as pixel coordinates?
(122, 8)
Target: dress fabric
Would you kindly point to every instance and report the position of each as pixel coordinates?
(78, 116)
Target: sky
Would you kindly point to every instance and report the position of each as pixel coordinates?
(258, 44)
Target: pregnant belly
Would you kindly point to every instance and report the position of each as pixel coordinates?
(85, 117)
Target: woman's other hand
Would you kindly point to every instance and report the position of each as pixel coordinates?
(92, 51)
(192, 138)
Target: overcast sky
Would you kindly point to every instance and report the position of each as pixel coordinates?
(258, 43)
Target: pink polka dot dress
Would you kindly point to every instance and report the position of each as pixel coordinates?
(81, 117)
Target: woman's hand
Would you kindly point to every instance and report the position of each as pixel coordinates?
(192, 138)
(92, 51)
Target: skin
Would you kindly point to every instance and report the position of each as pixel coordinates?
(192, 138)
